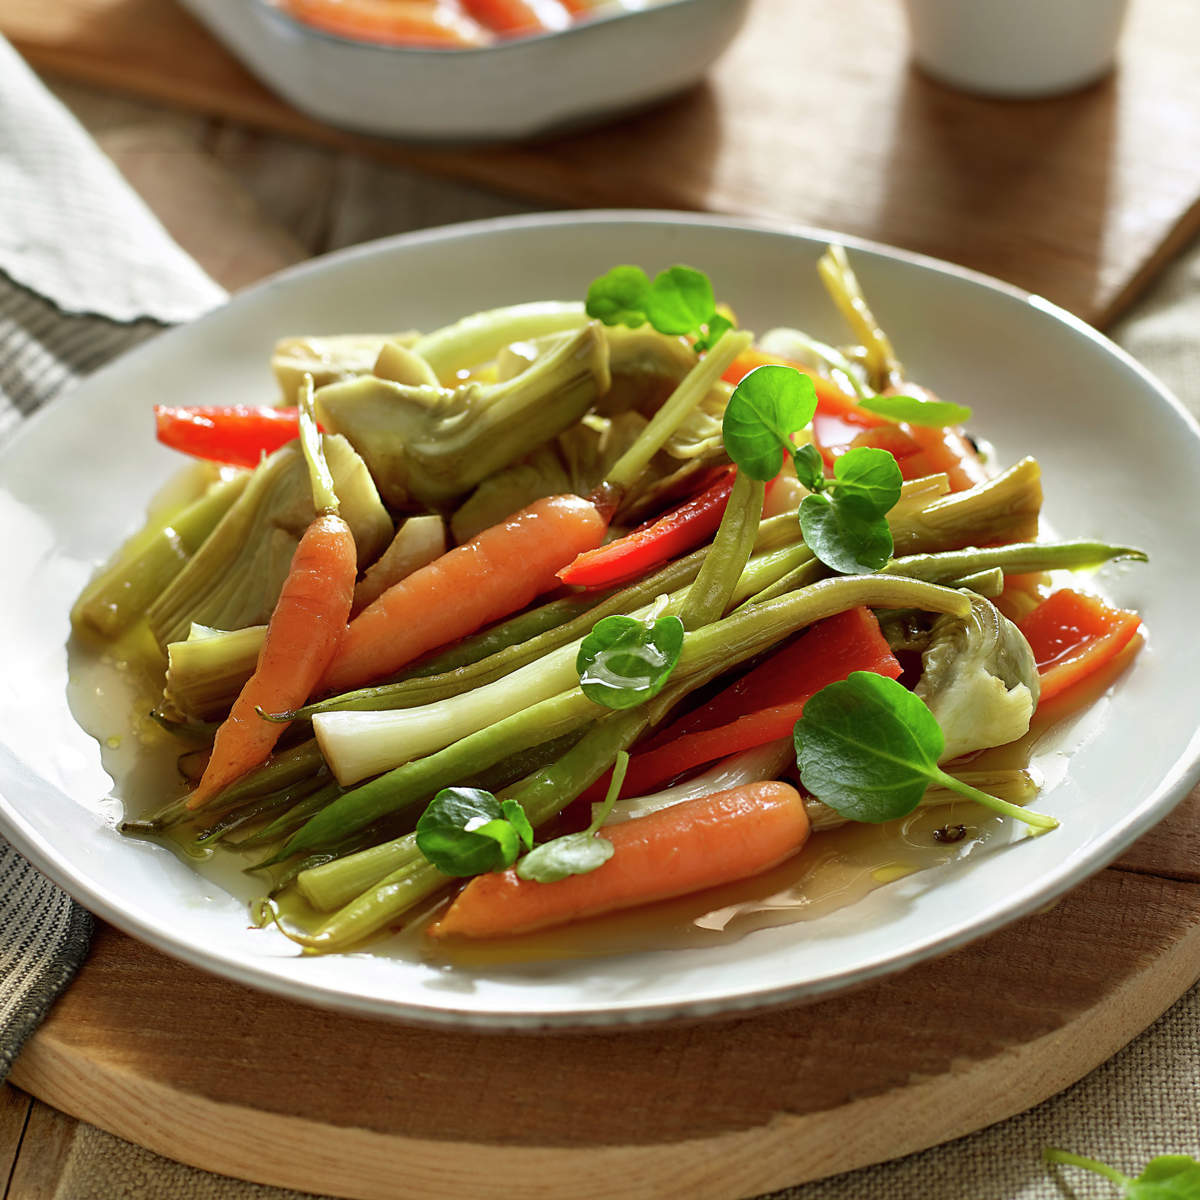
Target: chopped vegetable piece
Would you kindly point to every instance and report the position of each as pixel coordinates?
(1072, 635)
(239, 435)
(764, 704)
(637, 553)
(698, 844)
(493, 575)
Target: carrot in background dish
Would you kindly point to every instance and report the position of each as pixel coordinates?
(391, 22)
(519, 18)
(308, 622)
(698, 844)
(492, 576)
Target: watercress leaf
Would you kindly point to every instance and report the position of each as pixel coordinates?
(917, 410)
(680, 300)
(715, 328)
(844, 534)
(515, 815)
(867, 747)
(620, 297)
(624, 662)
(463, 831)
(810, 467)
(869, 478)
(770, 404)
(574, 854)
(1168, 1177)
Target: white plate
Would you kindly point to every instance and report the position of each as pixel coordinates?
(591, 71)
(1121, 461)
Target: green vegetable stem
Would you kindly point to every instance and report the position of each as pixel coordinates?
(1167, 1177)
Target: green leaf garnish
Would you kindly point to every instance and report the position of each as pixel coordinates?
(810, 467)
(870, 477)
(1167, 1177)
(678, 302)
(577, 853)
(868, 748)
(716, 326)
(766, 408)
(467, 831)
(845, 521)
(620, 297)
(624, 662)
(917, 411)
(844, 535)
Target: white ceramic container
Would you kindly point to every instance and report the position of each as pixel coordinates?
(1016, 48)
(515, 89)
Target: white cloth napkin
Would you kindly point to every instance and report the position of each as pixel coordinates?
(71, 229)
(86, 272)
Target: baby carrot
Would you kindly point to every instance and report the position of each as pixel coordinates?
(519, 18)
(303, 633)
(697, 844)
(496, 573)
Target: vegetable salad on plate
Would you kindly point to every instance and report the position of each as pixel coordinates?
(570, 608)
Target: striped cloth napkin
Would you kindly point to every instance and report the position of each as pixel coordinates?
(86, 272)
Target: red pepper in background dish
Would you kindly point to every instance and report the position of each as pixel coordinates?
(676, 532)
(238, 435)
(764, 704)
(1072, 635)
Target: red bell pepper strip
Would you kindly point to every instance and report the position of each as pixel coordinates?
(1073, 634)
(238, 435)
(763, 705)
(682, 529)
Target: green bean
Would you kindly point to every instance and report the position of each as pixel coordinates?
(1019, 558)
(513, 632)
(727, 557)
(416, 781)
(289, 766)
(291, 820)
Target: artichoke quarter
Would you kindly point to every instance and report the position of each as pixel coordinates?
(427, 447)
(980, 680)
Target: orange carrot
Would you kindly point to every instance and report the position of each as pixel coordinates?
(1072, 635)
(497, 573)
(308, 621)
(519, 18)
(698, 844)
(390, 22)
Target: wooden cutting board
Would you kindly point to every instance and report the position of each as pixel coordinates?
(813, 117)
(260, 1088)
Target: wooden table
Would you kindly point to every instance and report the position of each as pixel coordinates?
(244, 203)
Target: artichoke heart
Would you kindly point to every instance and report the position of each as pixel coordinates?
(427, 447)
(234, 578)
(328, 359)
(980, 680)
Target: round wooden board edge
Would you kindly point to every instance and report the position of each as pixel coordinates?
(359, 1164)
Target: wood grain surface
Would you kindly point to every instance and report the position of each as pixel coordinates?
(261, 1088)
(814, 117)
